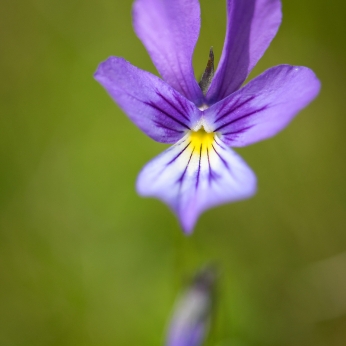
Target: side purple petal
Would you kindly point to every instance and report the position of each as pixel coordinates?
(169, 30)
(251, 26)
(264, 106)
(155, 107)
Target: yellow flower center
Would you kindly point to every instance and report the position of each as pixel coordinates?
(202, 140)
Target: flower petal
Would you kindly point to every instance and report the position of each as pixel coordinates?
(264, 106)
(195, 174)
(156, 108)
(169, 30)
(251, 25)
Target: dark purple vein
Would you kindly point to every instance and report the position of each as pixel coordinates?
(221, 158)
(211, 173)
(220, 144)
(166, 127)
(174, 158)
(238, 131)
(168, 115)
(182, 105)
(199, 165)
(224, 105)
(233, 108)
(180, 180)
(240, 118)
(173, 106)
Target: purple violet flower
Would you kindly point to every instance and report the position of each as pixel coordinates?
(203, 120)
(192, 313)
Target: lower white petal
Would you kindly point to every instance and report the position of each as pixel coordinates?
(196, 173)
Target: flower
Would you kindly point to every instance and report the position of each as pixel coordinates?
(204, 120)
(191, 316)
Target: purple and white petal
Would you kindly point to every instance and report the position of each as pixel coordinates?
(195, 174)
(169, 30)
(251, 26)
(264, 106)
(155, 107)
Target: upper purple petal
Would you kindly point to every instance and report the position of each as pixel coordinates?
(264, 106)
(251, 26)
(169, 30)
(155, 107)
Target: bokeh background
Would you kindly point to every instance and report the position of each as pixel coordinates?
(85, 261)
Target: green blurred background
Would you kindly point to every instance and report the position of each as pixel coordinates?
(85, 261)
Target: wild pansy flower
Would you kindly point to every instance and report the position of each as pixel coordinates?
(191, 316)
(204, 120)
